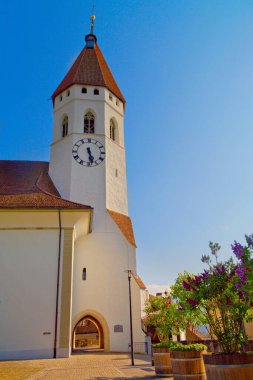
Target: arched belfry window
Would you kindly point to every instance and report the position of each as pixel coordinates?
(89, 122)
(112, 130)
(65, 126)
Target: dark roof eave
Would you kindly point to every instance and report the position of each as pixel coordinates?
(46, 208)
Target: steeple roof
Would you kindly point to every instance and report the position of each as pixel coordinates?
(91, 69)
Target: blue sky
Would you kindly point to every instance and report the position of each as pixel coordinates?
(186, 71)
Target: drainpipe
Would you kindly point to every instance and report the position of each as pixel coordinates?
(131, 317)
(58, 285)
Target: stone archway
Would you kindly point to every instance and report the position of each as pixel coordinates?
(88, 334)
(90, 331)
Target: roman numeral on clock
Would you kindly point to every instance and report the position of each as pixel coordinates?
(90, 149)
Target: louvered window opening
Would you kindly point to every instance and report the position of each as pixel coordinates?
(112, 130)
(89, 122)
(65, 125)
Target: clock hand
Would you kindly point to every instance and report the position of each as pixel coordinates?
(91, 158)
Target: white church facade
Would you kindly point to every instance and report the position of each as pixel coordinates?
(66, 240)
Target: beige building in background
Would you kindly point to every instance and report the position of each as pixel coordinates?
(66, 240)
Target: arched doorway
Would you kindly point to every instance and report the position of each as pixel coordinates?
(87, 335)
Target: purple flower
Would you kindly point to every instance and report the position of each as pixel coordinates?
(245, 293)
(238, 285)
(205, 275)
(186, 285)
(197, 280)
(220, 269)
(237, 248)
(249, 240)
(192, 302)
(241, 273)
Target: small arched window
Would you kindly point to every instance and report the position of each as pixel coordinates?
(89, 121)
(96, 91)
(65, 125)
(112, 130)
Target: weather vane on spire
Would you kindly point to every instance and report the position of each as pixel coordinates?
(90, 38)
(92, 17)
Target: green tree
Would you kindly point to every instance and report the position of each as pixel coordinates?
(162, 314)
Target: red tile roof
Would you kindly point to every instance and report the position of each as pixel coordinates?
(90, 68)
(139, 282)
(27, 184)
(37, 201)
(23, 177)
(125, 225)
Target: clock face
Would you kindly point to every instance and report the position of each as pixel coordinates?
(88, 152)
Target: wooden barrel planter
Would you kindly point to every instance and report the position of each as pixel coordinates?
(188, 365)
(229, 367)
(162, 362)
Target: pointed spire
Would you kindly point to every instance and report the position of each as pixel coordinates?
(92, 17)
(91, 39)
(91, 69)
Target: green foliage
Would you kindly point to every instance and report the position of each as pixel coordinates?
(163, 344)
(177, 346)
(189, 317)
(162, 314)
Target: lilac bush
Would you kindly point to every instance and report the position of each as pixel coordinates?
(221, 294)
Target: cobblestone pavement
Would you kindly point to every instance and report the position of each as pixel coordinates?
(98, 366)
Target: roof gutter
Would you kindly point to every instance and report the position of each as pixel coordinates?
(91, 220)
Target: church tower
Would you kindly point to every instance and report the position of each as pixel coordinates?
(87, 162)
(87, 166)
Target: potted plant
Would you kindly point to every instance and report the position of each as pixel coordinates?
(187, 358)
(187, 361)
(223, 294)
(161, 313)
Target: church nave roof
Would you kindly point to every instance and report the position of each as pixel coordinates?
(27, 184)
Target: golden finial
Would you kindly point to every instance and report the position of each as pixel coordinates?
(92, 17)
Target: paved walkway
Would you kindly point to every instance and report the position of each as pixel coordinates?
(99, 366)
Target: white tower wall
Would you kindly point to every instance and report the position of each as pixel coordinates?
(103, 186)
